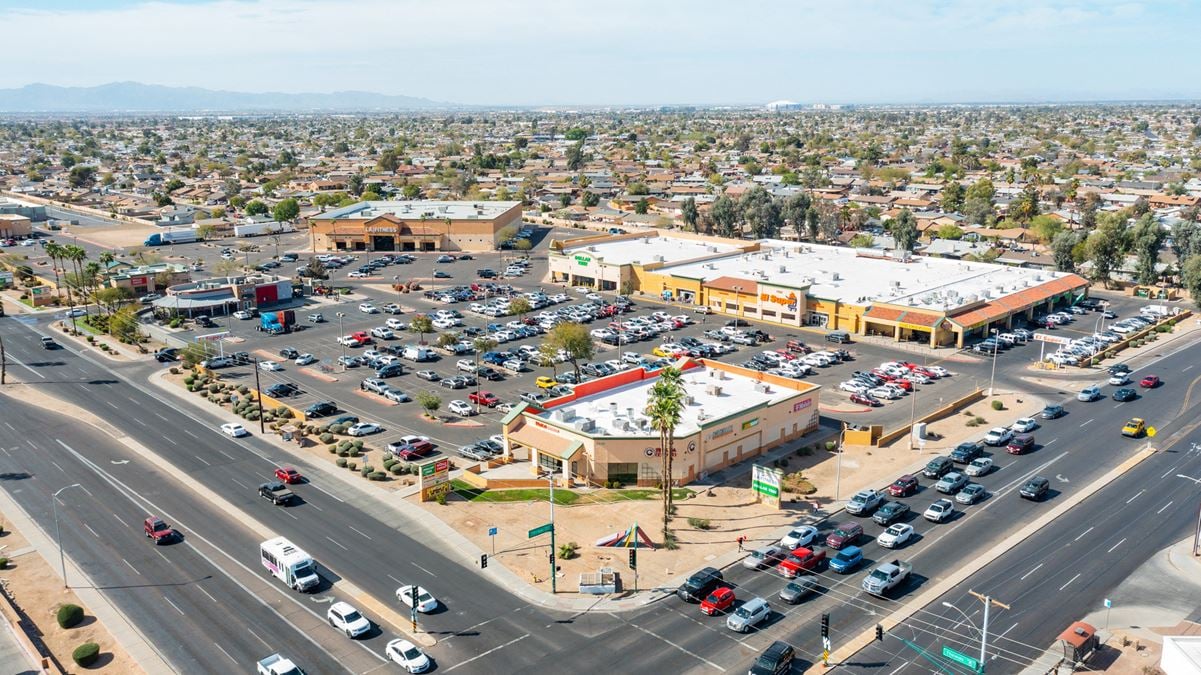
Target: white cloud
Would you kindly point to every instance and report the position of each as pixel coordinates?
(532, 51)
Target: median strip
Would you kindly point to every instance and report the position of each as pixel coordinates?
(963, 573)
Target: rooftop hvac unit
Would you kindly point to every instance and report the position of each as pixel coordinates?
(660, 258)
(701, 416)
(688, 400)
(896, 284)
(835, 276)
(644, 423)
(585, 424)
(592, 248)
(613, 408)
(783, 269)
(713, 390)
(630, 414)
(970, 299)
(762, 388)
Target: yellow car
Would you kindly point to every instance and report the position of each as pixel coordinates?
(545, 382)
(1135, 428)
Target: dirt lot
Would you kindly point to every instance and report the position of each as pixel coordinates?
(38, 590)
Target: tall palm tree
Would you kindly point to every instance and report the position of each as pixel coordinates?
(666, 405)
(91, 276)
(76, 254)
(54, 252)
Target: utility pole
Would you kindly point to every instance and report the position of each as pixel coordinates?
(551, 478)
(259, 388)
(3, 363)
(988, 602)
(993, 375)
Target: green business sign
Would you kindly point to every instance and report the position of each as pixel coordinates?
(961, 658)
(427, 470)
(583, 260)
(765, 489)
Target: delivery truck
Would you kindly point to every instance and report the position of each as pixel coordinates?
(256, 229)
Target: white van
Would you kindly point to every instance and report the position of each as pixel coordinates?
(419, 354)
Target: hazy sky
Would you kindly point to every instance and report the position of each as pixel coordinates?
(530, 52)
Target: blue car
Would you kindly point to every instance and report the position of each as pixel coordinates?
(847, 560)
(495, 358)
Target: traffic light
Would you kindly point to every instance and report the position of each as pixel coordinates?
(633, 558)
(880, 632)
(825, 626)
(483, 561)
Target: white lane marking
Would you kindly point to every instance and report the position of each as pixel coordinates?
(57, 466)
(318, 487)
(1186, 368)
(395, 579)
(422, 569)
(669, 642)
(191, 434)
(1165, 474)
(111, 405)
(510, 642)
(22, 364)
(231, 457)
(174, 605)
(1070, 581)
(1164, 508)
(162, 418)
(210, 597)
(91, 530)
(899, 668)
(10, 427)
(336, 543)
(1082, 534)
(1009, 629)
(360, 532)
(314, 506)
(160, 554)
(1050, 442)
(1087, 423)
(244, 486)
(257, 636)
(170, 440)
(206, 462)
(1030, 572)
(139, 421)
(1111, 548)
(226, 653)
(1136, 495)
(131, 567)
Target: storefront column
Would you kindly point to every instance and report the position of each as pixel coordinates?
(896, 333)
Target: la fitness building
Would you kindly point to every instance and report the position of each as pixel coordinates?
(937, 301)
(413, 226)
(601, 431)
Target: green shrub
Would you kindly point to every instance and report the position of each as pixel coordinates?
(397, 469)
(283, 412)
(388, 463)
(367, 468)
(830, 445)
(341, 462)
(442, 499)
(616, 485)
(700, 523)
(326, 438)
(86, 654)
(243, 390)
(333, 449)
(997, 405)
(971, 423)
(669, 541)
(69, 615)
(568, 551)
(344, 445)
(607, 484)
(3, 563)
(355, 452)
(343, 452)
(339, 428)
(357, 444)
(352, 465)
(214, 388)
(377, 475)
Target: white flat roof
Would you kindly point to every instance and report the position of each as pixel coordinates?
(645, 250)
(839, 273)
(414, 210)
(621, 411)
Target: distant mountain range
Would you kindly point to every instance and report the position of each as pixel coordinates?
(119, 97)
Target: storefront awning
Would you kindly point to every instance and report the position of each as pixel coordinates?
(545, 442)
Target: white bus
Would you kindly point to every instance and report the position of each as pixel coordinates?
(288, 563)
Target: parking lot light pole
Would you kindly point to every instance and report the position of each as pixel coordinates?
(993, 375)
(62, 560)
(341, 334)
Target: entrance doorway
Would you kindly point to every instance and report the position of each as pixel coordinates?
(383, 243)
(427, 246)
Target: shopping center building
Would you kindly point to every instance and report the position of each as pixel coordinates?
(601, 431)
(413, 226)
(937, 301)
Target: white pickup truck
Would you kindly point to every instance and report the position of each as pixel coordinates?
(886, 577)
(278, 665)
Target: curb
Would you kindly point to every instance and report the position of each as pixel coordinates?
(910, 608)
(115, 623)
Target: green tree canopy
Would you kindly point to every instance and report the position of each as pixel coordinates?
(574, 340)
(286, 211)
(903, 229)
(256, 207)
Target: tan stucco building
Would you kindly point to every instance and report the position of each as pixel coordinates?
(414, 226)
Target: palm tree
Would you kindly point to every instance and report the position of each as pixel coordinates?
(665, 409)
(76, 254)
(55, 252)
(91, 276)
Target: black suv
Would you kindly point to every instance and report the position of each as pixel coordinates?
(1036, 488)
(321, 409)
(775, 660)
(282, 390)
(965, 452)
(938, 467)
(166, 355)
(289, 353)
(700, 585)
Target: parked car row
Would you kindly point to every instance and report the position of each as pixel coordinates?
(892, 380)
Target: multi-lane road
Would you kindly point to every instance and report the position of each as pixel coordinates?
(369, 548)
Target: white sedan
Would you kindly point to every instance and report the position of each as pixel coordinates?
(425, 602)
(979, 467)
(242, 314)
(407, 656)
(800, 536)
(938, 370)
(884, 392)
(461, 408)
(368, 308)
(364, 428)
(1024, 425)
(305, 359)
(896, 536)
(854, 387)
(1119, 379)
(270, 366)
(234, 429)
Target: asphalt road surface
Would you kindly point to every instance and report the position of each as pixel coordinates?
(484, 628)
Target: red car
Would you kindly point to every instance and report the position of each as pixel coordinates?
(801, 560)
(902, 383)
(903, 486)
(844, 535)
(158, 530)
(718, 601)
(864, 399)
(486, 398)
(1149, 382)
(287, 474)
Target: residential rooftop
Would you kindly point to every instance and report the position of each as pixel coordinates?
(711, 394)
(416, 210)
(864, 277)
(646, 250)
